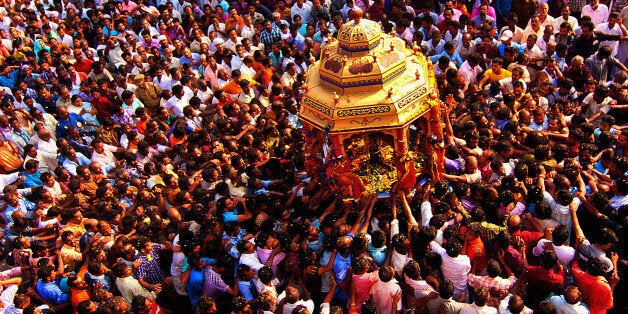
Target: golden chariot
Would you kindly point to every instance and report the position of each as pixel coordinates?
(371, 112)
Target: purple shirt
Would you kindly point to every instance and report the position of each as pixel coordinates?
(213, 285)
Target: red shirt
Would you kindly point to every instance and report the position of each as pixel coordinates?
(529, 237)
(84, 66)
(474, 246)
(103, 107)
(596, 292)
(541, 282)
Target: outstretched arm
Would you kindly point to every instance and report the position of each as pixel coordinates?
(363, 210)
(369, 213)
(406, 208)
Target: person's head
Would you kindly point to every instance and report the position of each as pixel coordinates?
(446, 289)
(265, 274)
(572, 295)
(493, 269)
(412, 270)
(360, 265)
(46, 273)
(587, 28)
(21, 300)
(481, 296)
(605, 239)
(386, 273)
(483, 10)
(453, 247)
(546, 307)
(604, 52)
(548, 259)
(535, 22)
(497, 65)
(515, 304)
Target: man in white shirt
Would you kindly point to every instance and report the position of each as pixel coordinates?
(598, 12)
(513, 304)
(559, 245)
(103, 154)
(247, 67)
(470, 69)
(479, 306)
(303, 9)
(290, 76)
(455, 267)
(176, 103)
(162, 80)
(598, 104)
(47, 147)
(248, 30)
(532, 49)
(386, 290)
(293, 299)
(565, 16)
(612, 28)
(467, 47)
(517, 75)
(570, 303)
(544, 18)
(128, 286)
(233, 40)
(64, 38)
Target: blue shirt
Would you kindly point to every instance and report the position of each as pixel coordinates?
(195, 285)
(378, 254)
(70, 165)
(51, 293)
(102, 279)
(9, 80)
(502, 48)
(25, 206)
(247, 290)
(233, 240)
(194, 57)
(503, 7)
(32, 179)
(230, 216)
(276, 59)
(49, 104)
(341, 269)
(455, 58)
(73, 120)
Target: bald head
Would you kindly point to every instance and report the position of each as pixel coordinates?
(472, 164)
(514, 222)
(43, 133)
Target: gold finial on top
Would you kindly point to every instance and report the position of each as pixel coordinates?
(356, 15)
(415, 48)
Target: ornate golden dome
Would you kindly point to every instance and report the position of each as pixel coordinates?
(359, 35)
(367, 80)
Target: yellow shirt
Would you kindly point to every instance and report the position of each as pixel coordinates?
(492, 77)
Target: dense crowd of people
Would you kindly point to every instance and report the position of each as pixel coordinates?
(152, 161)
